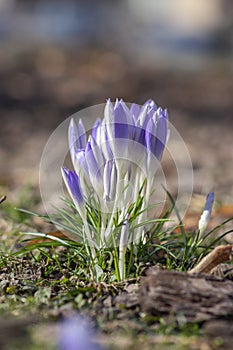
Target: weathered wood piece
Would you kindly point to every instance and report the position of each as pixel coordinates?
(218, 255)
(181, 296)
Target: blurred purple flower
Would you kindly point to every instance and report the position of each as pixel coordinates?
(75, 334)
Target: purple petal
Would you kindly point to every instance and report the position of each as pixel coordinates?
(106, 146)
(76, 137)
(127, 111)
(150, 136)
(107, 181)
(108, 121)
(110, 178)
(139, 135)
(102, 140)
(209, 202)
(93, 166)
(97, 152)
(81, 162)
(161, 136)
(95, 128)
(113, 180)
(72, 138)
(142, 121)
(108, 112)
(120, 122)
(141, 126)
(116, 103)
(130, 120)
(73, 185)
(143, 117)
(147, 112)
(156, 133)
(135, 111)
(121, 131)
(151, 105)
(82, 134)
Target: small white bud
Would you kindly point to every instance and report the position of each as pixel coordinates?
(205, 217)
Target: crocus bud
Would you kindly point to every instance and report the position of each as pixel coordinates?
(72, 182)
(205, 217)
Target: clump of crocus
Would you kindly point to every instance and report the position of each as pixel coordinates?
(113, 177)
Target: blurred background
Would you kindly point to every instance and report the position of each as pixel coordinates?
(57, 57)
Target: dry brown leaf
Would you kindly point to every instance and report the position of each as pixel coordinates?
(57, 234)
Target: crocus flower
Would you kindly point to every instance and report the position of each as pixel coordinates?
(205, 217)
(119, 159)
